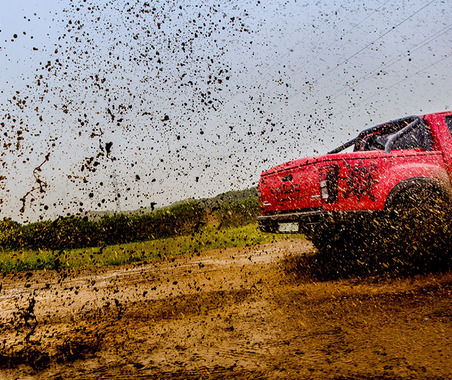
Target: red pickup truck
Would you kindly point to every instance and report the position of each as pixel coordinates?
(399, 171)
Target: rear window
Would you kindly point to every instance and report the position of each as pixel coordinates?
(449, 123)
(418, 137)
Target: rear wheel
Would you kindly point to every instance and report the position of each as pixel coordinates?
(417, 230)
(413, 237)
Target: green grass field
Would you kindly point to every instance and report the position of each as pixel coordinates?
(209, 238)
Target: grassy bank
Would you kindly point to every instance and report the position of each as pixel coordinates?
(210, 237)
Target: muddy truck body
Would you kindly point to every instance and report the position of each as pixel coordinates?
(398, 171)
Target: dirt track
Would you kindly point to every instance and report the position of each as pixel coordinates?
(222, 314)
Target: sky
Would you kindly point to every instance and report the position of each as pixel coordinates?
(160, 101)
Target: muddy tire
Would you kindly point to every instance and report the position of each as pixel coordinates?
(417, 231)
(413, 237)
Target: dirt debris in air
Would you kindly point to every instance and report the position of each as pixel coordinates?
(234, 313)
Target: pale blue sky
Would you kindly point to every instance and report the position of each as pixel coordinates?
(199, 98)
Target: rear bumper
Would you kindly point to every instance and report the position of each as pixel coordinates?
(308, 220)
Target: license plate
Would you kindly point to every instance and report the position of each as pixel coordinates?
(288, 227)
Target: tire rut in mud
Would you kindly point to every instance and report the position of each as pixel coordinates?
(84, 339)
(242, 319)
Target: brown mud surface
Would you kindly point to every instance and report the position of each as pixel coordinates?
(234, 313)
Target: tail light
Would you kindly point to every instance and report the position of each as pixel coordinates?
(328, 176)
(262, 203)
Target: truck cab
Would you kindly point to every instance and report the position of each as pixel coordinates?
(400, 164)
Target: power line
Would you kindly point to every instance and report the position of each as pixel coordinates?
(366, 46)
(324, 49)
(406, 78)
(384, 66)
(395, 84)
(359, 51)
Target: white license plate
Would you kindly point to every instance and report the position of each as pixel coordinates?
(288, 227)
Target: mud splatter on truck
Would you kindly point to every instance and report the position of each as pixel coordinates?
(392, 191)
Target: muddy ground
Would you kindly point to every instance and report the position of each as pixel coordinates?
(235, 313)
